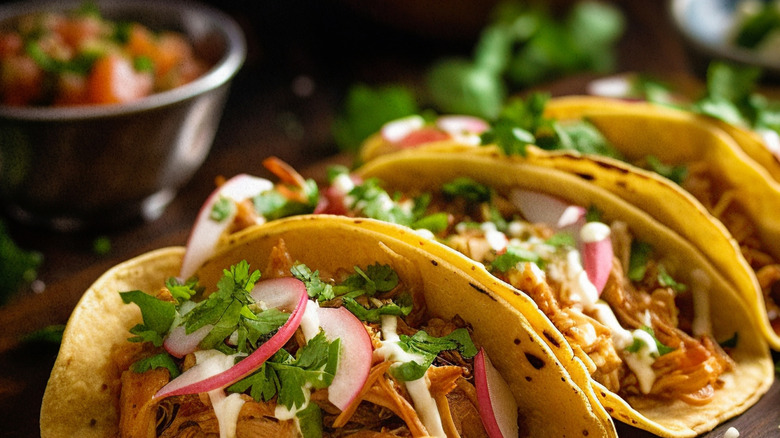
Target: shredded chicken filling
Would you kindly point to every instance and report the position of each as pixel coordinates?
(690, 372)
(724, 204)
(382, 409)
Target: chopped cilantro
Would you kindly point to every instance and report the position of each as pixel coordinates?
(435, 222)
(162, 360)
(666, 280)
(421, 343)
(18, 267)
(638, 343)
(143, 64)
(374, 202)
(402, 306)
(512, 257)
(637, 263)
(273, 204)
(310, 421)
(367, 109)
(315, 287)
(182, 291)
(467, 189)
(157, 316)
(222, 209)
(375, 278)
(593, 214)
(49, 334)
(674, 173)
(101, 245)
(289, 377)
(561, 239)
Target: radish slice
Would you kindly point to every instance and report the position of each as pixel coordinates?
(180, 344)
(497, 406)
(597, 253)
(456, 125)
(206, 232)
(396, 130)
(618, 86)
(207, 376)
(355, 356)
(540, 208)
(279, 293)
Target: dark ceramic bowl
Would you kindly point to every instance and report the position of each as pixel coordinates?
(77, 167)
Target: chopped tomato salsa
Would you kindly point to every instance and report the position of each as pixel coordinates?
(81, 58)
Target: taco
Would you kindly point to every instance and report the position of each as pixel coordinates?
(708, 165)
(414, 364)
(670, 345)
(606, 137)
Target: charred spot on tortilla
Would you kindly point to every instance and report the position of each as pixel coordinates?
(528, 378)
(434, 263)
(585, 432)
(482, 291)
(609, 166)
(536, 361)
(586, 176)
(551, 338)
(517, 341)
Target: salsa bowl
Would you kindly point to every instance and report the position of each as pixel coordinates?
(74, 167)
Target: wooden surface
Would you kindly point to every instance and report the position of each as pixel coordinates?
(333, 46)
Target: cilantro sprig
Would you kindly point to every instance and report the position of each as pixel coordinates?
(639, 343)
(428, 348)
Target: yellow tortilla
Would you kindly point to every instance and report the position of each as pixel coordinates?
(81, 397)
(638, 129)
(426, 170)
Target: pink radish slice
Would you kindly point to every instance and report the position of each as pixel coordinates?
(497, 406)
(423, 136)
(279, 293)
(209, 376)
(206, 232)
(396, 130)
(179, 343)
(541, 208)
(355, 357)
(458, 125)
(597, 253)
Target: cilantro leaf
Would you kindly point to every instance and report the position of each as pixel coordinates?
(222, 209)
(264, 383)
(467, 189)
(372, 201)
(314, 367)
(162, 360)
(18, 267)
(512, 257)
(435, 222)
(315, 287)
(428, 347)
(182, 291)
(157, 315)
(674, 173)
(560, 239)
(666, 280)
(637, 263)
(310, 421)
(375, 278)
(365, 111)
(638, 343)
(402, 306)
(272, 204)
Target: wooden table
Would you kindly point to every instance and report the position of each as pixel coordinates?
(334, 47)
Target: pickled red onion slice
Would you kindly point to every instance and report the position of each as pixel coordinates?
(497, 406)
(207, 376)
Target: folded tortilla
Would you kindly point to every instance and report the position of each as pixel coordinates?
(424, 170)
(553, 396)
(739, 192)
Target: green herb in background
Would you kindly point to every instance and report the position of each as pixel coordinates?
(522, 46)
(756, 27)
(101, 245)
(525, 45)
(18, 267)
(367, 109)
(49, 334)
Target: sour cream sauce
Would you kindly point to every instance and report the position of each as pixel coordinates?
(424, 403)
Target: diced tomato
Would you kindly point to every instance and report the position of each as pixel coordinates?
(21, 81)
(80, 30)
(72, 90)
(113, 80)
(141, 42)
